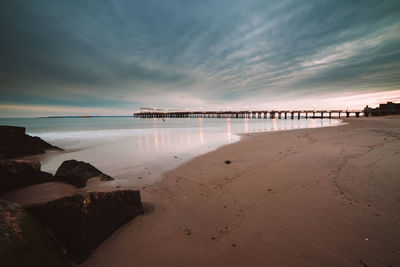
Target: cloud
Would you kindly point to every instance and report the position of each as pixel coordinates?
(44, 111)
(88, 54)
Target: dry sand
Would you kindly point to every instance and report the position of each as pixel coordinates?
(312, 197)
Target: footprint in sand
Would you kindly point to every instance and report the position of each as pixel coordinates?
(187, 231)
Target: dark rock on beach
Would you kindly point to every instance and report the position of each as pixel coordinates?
(81, 222)
(23, 241)
(14, 142)
(78, 172)
(16, 174)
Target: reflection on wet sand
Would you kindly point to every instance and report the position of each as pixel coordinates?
(201, 130)
(147, 141)
(160, 139)
(156, 140)
(188, 138)
(246, 125)
(228, 128)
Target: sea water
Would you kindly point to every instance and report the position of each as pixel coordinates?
(136, 151)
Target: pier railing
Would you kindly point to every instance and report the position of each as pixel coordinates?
(281, 114)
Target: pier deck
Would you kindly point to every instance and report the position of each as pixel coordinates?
(281, 114)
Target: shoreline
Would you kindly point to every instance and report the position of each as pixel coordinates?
(304, 197)
(126, 178)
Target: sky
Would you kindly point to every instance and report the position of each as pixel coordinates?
(98, 57)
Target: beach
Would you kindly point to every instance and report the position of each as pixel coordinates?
(309, 197)
(200, 133)
(304, 197)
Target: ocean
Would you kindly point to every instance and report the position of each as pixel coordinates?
(137, 151)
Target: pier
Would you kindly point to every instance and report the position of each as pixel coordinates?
(254, 114)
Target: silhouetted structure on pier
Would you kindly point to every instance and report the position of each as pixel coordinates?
(281, 114)
(389, 108)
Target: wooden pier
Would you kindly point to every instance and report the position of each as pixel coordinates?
(255, 114)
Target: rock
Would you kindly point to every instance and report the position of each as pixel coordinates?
(14, 142)
(15, 174)
(228, 162)
(23, 241)
(78, 172)
(81, 222)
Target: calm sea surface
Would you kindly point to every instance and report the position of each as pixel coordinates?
(138, 150)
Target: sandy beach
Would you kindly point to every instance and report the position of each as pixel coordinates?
(312, 197)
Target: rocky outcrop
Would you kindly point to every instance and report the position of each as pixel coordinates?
(16, 174)
(81, 222)
(23, 241)
(14, 142)
(78, 172)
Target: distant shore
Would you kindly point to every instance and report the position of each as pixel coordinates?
(85, 116)
(309, 197)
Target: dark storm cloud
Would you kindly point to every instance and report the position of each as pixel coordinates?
(92, 52)
(66, 45)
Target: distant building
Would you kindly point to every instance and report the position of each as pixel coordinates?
(389, 108)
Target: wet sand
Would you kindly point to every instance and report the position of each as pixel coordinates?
(312, 197)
